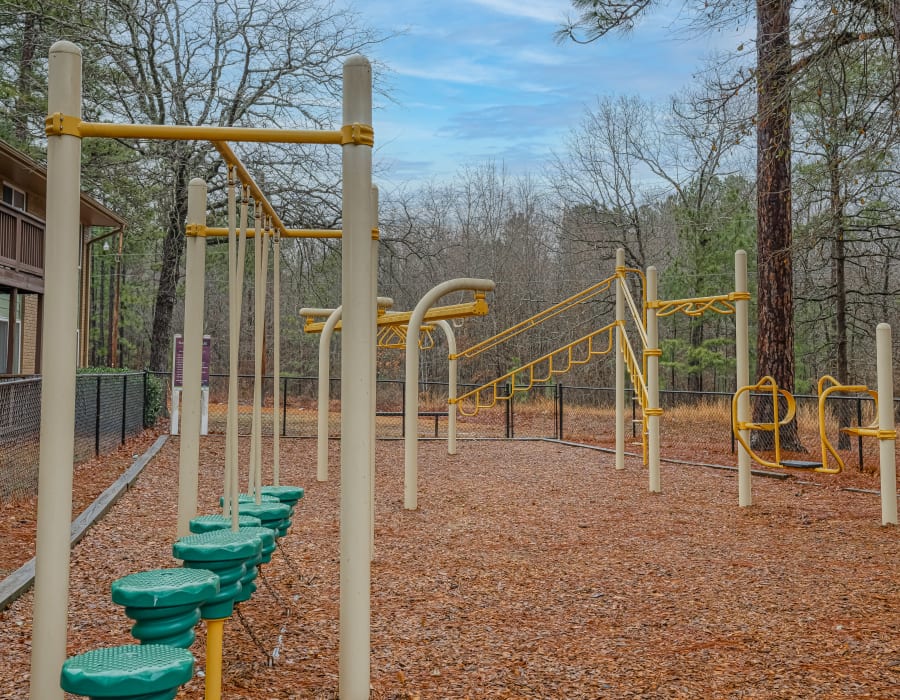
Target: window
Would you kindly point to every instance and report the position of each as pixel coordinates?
(4, 336)
(13, 196)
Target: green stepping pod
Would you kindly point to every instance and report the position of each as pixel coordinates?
(165, 603)
(225, 553)
(274, 515)
(289, 495)
(208, 523)
(135, 672)
(285, 494)
(267, 535)
(248, 580)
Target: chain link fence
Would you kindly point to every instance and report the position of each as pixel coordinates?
(109, 409)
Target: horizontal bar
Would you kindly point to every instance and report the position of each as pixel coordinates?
(180, 132)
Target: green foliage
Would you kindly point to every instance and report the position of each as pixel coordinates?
(154, 395)
(693, 360)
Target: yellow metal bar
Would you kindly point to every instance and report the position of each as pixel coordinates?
(214, 635)
(697, 306)
(827, 386)
(537, 319)
(569, 356)
(228, 155)
(765, 384)
(179, 132)
(214, 231)
(479, 307)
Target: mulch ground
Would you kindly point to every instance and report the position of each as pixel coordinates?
(531, 570)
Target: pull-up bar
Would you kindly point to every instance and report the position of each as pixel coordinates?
(59, 124)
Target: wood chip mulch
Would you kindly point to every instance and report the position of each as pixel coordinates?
(530, 570)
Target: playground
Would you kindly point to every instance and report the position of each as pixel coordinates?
(555, 576)
(478, 568)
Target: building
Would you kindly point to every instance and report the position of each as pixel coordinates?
(22, 254)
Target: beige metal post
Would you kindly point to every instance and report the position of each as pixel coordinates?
(742, 363)
(653, 381)
(451, 383)
(356, 384)
(59, 356)
(276, 358)
(194, 286)
(374, 369)
(236, 293)
(324, 391)
(260, 265)
(620, 359)
(888, 463)
(411, 388)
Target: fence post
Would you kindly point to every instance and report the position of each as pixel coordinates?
(559, 412)
(97, 420)
(859, 443)
(283, 406)
(144, 400)
(124, 406)
(508, 412)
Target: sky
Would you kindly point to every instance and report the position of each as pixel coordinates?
(476, 80)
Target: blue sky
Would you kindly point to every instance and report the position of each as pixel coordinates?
(483, 79)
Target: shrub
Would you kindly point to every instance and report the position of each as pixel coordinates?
(153, 399)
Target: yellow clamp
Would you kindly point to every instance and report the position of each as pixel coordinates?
(359, 134)
(653, 352)
(59, 124)
(195, 230)
(653, 411)
(376, 233)
(886, 435)
(739, 296)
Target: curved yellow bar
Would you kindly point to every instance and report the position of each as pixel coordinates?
(827, 386)
(767, 383)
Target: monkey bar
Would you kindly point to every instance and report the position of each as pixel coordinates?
(545, 363)
(478, 307)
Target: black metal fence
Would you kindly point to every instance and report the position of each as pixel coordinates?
(109, 409)
(694, 425)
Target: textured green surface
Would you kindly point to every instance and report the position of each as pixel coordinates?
(165, 588)
(219, 545)
(130, 671)
(285, 494)
(208, 523)
(266, 512)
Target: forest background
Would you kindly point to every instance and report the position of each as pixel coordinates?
(680, 185)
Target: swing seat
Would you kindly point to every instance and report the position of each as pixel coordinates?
(800, 464)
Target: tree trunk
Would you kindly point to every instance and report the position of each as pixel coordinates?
(839, 283)
(169, 273)
(25, 81)
(775, 329)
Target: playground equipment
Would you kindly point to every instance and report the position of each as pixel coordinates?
(642, 364)
(882, 428)
(411, 375)
(65, 130)
(226, 554)
(392, 332)
(135, 672)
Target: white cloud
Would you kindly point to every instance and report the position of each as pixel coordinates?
(550, 11)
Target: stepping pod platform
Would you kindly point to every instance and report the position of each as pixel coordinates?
(209, 523)
(135, 672)
(165, 603)
(272, 512)
(225, 553)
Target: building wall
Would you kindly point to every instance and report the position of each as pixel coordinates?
(30, 332)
